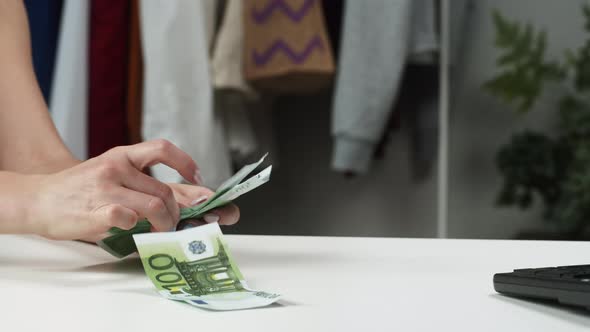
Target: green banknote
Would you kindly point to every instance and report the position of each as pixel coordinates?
(196, 266)
(120, 242)
(224, 197)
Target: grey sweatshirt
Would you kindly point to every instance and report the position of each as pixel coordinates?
(372, 57)
(378, 37)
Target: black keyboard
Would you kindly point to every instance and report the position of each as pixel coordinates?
(568, 285)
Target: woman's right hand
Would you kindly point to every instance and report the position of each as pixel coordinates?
(85, 201)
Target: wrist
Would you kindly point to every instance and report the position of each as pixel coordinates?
(41, 160)
(18, 199)
(52, 165)
(57, 165)
(29, 201)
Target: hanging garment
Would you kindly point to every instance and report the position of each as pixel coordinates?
(232, 90)
(134, 77)
(227, 56)
(418, 96)
(379, 39)
(424, 40)
(241, 138)
(286, 46)
(68, 98)
(247, 115)
(177, 88)
(372, 57)
(210, 10)
(44, 20)
(107, 96)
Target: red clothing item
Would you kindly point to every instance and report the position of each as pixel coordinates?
(134, 77)
(108, 56)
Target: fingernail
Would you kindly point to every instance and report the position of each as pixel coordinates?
(210, 218)
(199, 200)
(198, 178)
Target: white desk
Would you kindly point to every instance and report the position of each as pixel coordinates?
(329, 284)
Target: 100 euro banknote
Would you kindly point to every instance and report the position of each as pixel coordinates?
(196, 266)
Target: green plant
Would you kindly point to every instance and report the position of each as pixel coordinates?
(554, 168)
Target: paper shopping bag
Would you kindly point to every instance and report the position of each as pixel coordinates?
(286, 46)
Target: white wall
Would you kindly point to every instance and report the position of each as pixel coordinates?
(479, 124)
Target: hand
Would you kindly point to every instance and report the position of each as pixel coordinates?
(85, 201)
(187, 195)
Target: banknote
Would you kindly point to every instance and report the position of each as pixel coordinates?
(224, 187)
(228, 195)
(120, 242)
(196, 266)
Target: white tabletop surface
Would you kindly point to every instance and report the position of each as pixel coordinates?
(329, 284)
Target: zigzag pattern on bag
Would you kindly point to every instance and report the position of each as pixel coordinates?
(260, 16)
(280, 45)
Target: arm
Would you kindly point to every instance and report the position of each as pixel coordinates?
(29, 142)
(85, 201)
(45, 191)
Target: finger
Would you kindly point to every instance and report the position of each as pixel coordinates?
(227, 215)
(114, 215)
(141, 182)
(146, 206)
(189, 195)
(154, 152)
(190, 190)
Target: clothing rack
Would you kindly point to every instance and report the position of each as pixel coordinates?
(443, 140)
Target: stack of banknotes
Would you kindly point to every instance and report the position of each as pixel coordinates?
(120, 242)
(195, 265)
